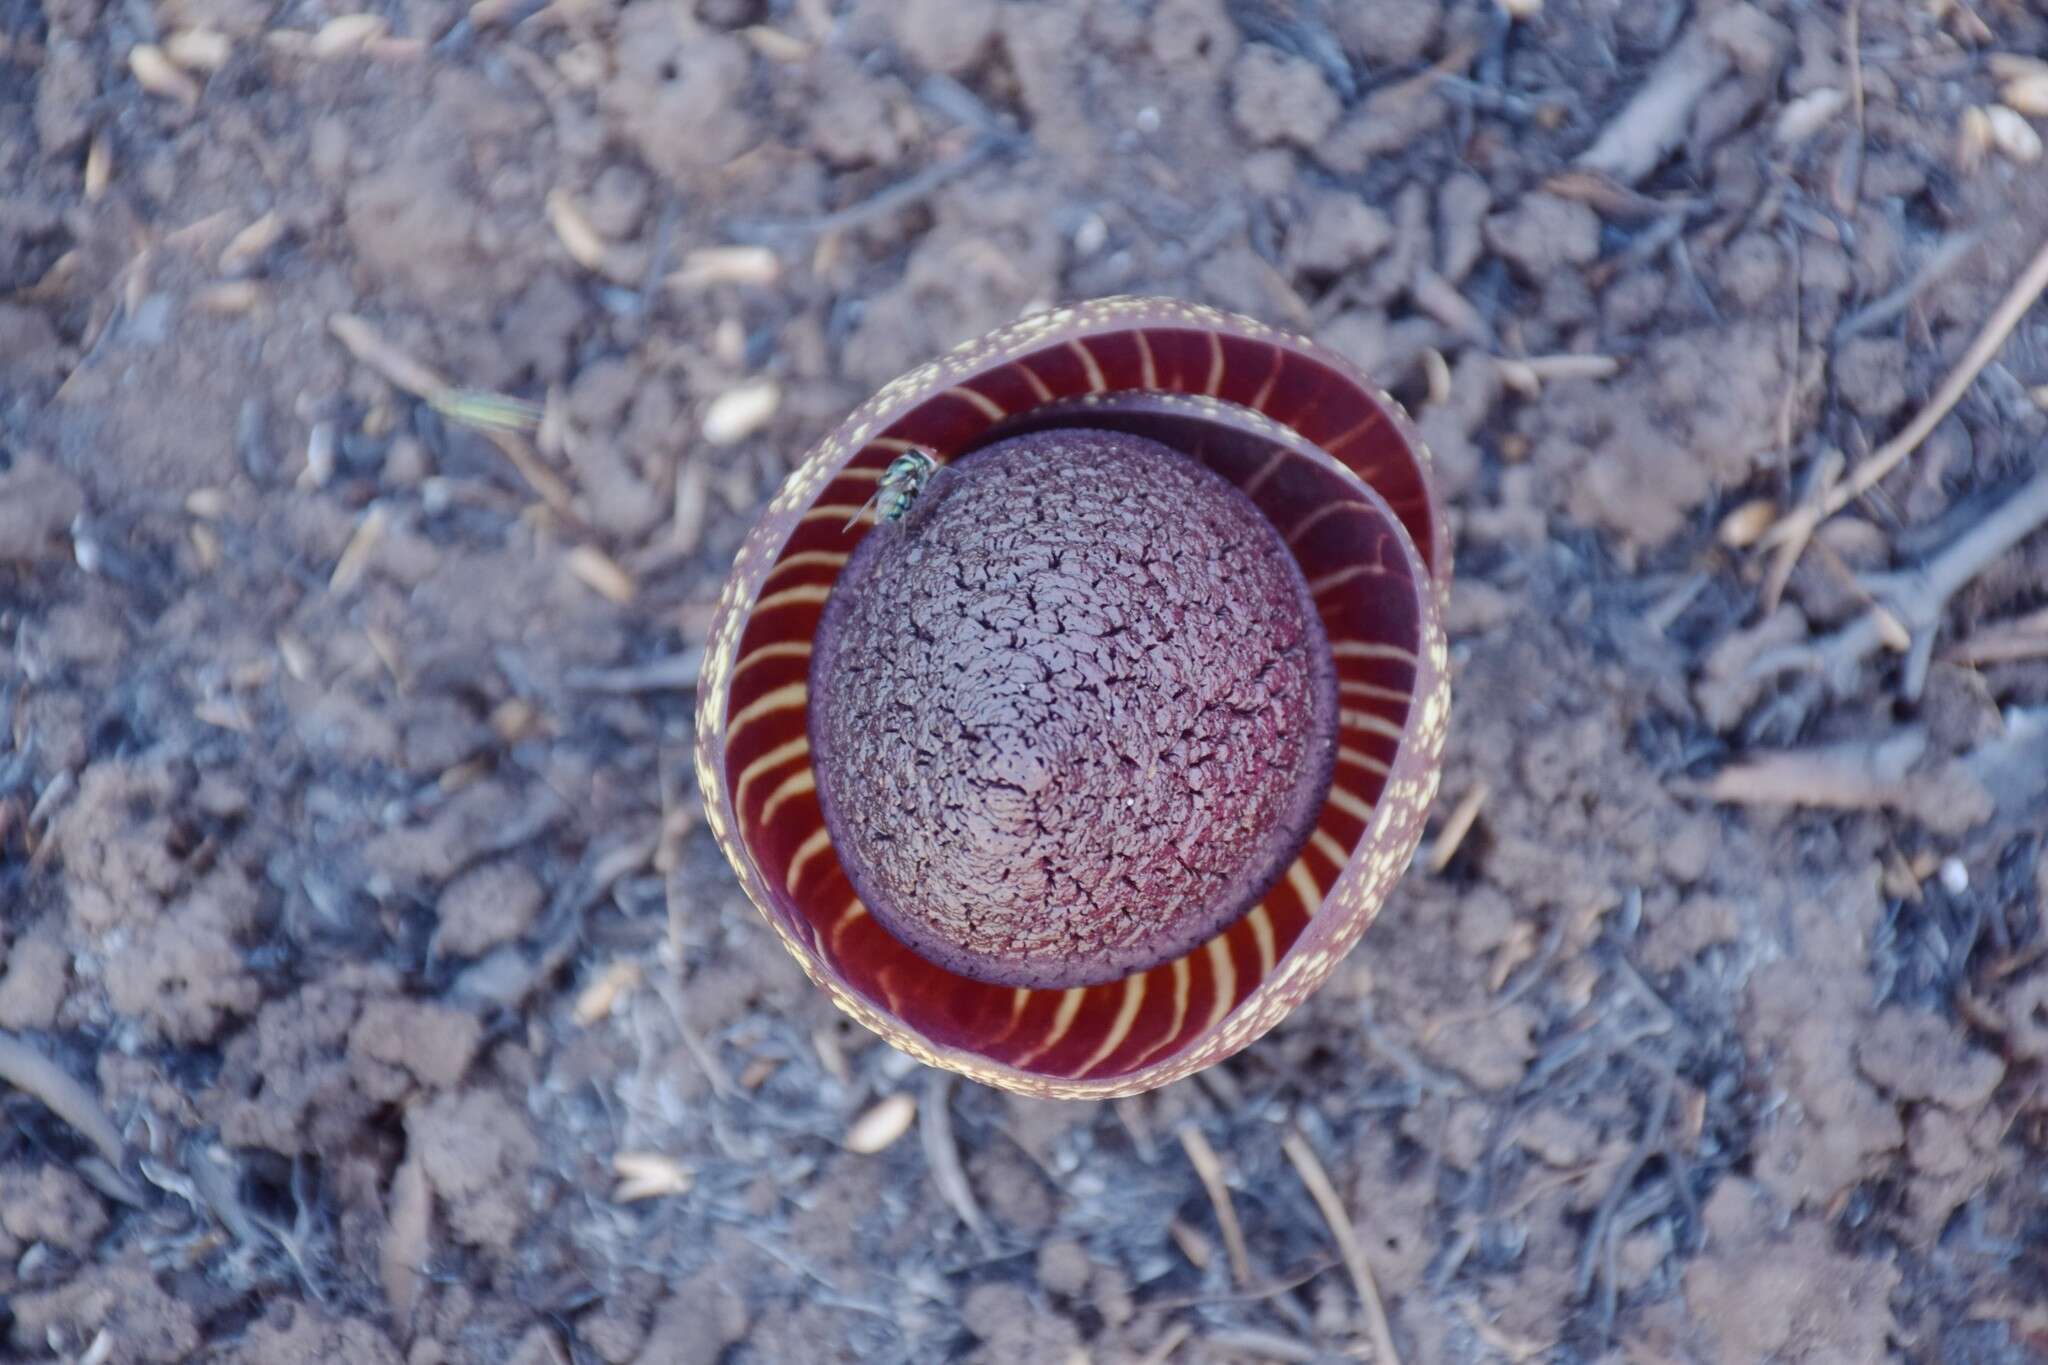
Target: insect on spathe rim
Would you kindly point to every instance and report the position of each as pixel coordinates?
(1335, 466)
(898, 487)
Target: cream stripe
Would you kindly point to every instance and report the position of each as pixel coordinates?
(845, 921)
(1038, 386)
(1265, 392)
(1373, 691)
(785, 649)
(1372, 420)
(1361, 649)
(1329, 848)
(1343, 576)
(1215, 385)
(788, 597)
(819, 842)
(1266, 471)
(1096, 383)
(1304, 883)
(895, 443)
(859, 474)
(1183, 978)
(1151, 370)
(1370, 723)
(802, 782)
(1262, 932)
(1226, 981)
(1017, 1004)
(784, 698)
(802, 559)
(842, 512)
(1134, 996)
(989, 407)
(1358, 759)
(768, 762)
(1070, 1006)
(1349, 804)
(1323, 514)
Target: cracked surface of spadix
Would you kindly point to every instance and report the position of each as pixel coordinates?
(1073, 715)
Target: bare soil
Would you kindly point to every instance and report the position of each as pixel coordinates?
(370, 992)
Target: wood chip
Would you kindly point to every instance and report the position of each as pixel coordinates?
(882, 1124)
(199, 49)
(355, 556)
(1973, 140)
(159, 75)
(99, 167)
(2016, 66)
(649, 1175)
(1437, 371)
(610, 986)
(2027, 95)
(1744, 526)
(575, 232)
(246, 247)
(1800, 119)
(347, 35)
(408, 1241)
(707, 266)
(778, 46)
(740, 412)
(2013, 135)
(228, 298)
(208, 504)
(601, 573)
(297, 656)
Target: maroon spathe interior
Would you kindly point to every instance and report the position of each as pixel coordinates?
(1362, 572)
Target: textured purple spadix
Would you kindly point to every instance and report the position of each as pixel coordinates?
(1072, 715)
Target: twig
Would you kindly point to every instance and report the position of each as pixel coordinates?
(1167, 1344)
(1597, 1232)
(672, 672)
(29, 1071)
(2025, 290)
(1650, 125)
(1949, 253)
(902, 194)
(1210, 1170)
(942, 1153)
(1849, 170)
(1855, 775)
(1249, 1341)
(1458, 825)
(1310, 1169)
(1916, 598)
(1274, 1289)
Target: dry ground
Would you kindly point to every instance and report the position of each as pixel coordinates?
(359, 933)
